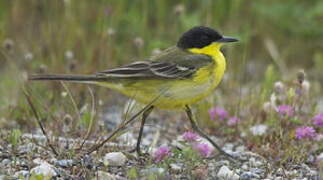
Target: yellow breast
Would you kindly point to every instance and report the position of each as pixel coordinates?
(217, 70)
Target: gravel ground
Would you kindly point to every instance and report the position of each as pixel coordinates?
(32, 156)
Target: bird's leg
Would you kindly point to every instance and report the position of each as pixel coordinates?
(145, 114)
(201, 133)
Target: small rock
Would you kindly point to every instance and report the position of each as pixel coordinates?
(223, 163)
(26, 148)
(87, 161)
(64, 163)
(153, 170)
(22, 174)
(44, 169)
(175, 167)
(319, 157)
(240, 149)
(257, 170)
(245, 166)
(38, 161)
(114, 159)
(5, 162)
(312, 173)
(310, 159)
(105, 176)
(228, 147)
(249, 176)
(254, 163)
(226, 173)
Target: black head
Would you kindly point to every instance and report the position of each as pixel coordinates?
(200, 36)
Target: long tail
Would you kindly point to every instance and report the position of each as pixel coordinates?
(67, 77)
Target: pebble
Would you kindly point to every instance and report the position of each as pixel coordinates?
(114, 159)
(26, 148)
(241, 149)
(223, 163)
(319, 157)
(175, 167)
(254, 163)
(248, 175)
(23, 174)
(105, 176)
(5, 162)
(38, 161)
(87, 161)
(245, 167)
(44, 169)
(153, 170)
(228, 147)
(257, 171)
(64, 163)
(226, 173)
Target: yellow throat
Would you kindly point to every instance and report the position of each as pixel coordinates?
(213, 50)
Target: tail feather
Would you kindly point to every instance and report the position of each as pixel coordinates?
(66, 77)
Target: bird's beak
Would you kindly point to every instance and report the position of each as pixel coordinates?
(225, 39)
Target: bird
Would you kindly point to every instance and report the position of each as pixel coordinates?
(179, 76)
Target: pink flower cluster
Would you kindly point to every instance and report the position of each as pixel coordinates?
(190, 136)
(218, 113)
(318, 120)
(308, 131)
(305, 132)
(161, 153)
(285, 110)
(203, 149)
(221, 114)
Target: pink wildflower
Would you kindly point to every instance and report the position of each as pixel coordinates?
(285, 110)
(203, 148)
(318, 120)
(218, 113)
(161, 153)
(305, 132)
(233, 121)
(190, 136)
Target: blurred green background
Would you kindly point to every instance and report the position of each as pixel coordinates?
(82, 36)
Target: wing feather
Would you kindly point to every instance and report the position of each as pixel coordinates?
(172, 65)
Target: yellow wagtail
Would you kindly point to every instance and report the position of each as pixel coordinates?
(180, 75)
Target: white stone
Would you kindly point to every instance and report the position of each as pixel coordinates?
(114, 159)
(38, 161)
(22, 174)
(245, 167)
(258, 130)
(105, 176)
(226, 173)
(319, 157)
(240, 149)
(175, 167)
(254, 163)
(44, 169)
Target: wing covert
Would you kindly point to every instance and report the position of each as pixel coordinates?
(171, 65)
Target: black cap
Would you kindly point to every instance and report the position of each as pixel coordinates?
(200, 36)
